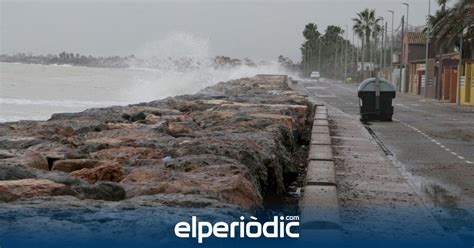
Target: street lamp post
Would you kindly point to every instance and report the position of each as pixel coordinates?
(408, 11)
(345, 56)
(428, 30)
(406, 62)
(385, 46)
(401, 60)
(381, 46)
(393, 43)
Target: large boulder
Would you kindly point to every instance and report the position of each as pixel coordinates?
(35, 160)
(127, 155)
(14, 171)
(14, 189)
(107, 191)
(227, 182)
(18, 142)
(105, 172)
(70, 165)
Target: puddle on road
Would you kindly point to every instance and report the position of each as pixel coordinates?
(453, 219)
(443, 201)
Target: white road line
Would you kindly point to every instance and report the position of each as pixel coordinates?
(435, 141)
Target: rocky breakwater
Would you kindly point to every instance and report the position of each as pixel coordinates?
(234, 145)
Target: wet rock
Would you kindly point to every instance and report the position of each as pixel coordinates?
(14, 189)
(36, 160)
(121, 135)
(225, 182)
(176, 129)
(6, 154)
(187, 201)
(235, 143)
(106, 191)
(60, 177)
(70, 165)
(160, 127)
(53, 150)
(287, 120)
(18, 142)
(127, 155)
(101, 115)
(135, 116)
(14, 172)
(106, 172)
(102, 141)
(167, 161)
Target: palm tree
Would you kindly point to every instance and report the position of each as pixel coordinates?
(448, 23)
(309, 47)
(359, 30)
(377, 30)
(366, 24)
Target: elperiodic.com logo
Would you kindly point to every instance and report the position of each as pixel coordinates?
(280, 227)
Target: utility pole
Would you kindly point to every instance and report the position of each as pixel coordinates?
(335, 61)
(352, 53)
(306, 60)
(356, 69)
(460, 69)
(393, 44)
(342, 56)
(385, 46)
(319, 55)
(401, 57)
(341, 62)
(345, 56)
(428, 31)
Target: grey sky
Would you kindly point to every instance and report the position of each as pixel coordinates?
(255, 29)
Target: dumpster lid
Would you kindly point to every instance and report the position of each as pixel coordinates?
(369, 85)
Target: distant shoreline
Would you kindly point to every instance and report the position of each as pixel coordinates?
(117, 62)
(66, 65)
(69, 59)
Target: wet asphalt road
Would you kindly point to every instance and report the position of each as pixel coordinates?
(432, 141)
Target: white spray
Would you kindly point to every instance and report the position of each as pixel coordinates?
(182, 64)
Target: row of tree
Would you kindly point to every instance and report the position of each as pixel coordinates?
(326, 52)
